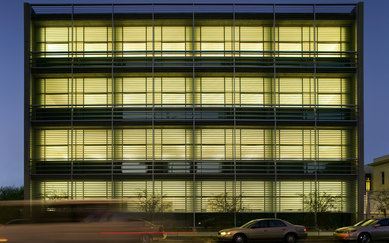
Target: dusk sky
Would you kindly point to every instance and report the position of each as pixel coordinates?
(12, 70)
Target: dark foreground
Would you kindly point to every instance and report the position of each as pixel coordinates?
(323, 239)
(211, 240)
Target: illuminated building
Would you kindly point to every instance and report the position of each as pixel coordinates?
(258, 104)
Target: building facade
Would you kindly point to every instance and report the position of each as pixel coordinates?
(250, 109)
(377, 195)
(380, 172)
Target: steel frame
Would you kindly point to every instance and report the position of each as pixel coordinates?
(32, 10)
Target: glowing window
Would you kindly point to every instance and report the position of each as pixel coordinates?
(57, 34)
(252, 152)
(134, 98)
(212, 98)
(173, 152)
(252, 34)
(212, 33)
(252, 99)
(134, 152)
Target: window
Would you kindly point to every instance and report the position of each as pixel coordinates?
(214, 90)
(54, 41)
(210, 144)
(333, 144)
(174, 40)
(135, 41)
(250, 40)
(290, 41)
(209, 92)
(217, 40)
(86, 91)
(332, 40)
(97, 41)
(290, 91)
(368, 183)
(260, 224)
(384, 222)
(291, 144)
(243, 91)
(382, 178)
(213, 40)
(180, 193)
(334, 91)
(276, 223)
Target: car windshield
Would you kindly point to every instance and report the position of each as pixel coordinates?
(248, 224)
(360, 222)
(369, 222)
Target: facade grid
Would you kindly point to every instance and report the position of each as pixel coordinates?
(259, 105)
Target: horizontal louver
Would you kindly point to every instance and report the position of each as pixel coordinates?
(213, 40)
(210, 196)
(210, 144)
(209, 92)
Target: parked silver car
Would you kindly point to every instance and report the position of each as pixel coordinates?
(266, 229)
(365, 231)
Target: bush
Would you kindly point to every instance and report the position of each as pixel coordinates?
(11, 193)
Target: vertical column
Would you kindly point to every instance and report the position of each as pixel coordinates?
(275, 201)
(193, 170)
(234, 107)
(361, 173)
(153, 103)
(72, 108)
(315, 110)
(27, 87)
(112, 102)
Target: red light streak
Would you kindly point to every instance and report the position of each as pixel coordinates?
(143, 232)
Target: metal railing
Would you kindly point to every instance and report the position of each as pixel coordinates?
(204, 166)
(182, 112)
(139, 7)
(185, 59)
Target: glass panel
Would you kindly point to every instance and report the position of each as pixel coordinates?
(212, 196)
(134, 152)
(211, 144)
(56, 34)
(213, 40)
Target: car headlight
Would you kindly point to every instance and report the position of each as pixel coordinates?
(225, 233)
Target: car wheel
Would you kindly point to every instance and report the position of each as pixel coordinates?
(290, 238)
(364, 238)
(145, 239)
(239, 238)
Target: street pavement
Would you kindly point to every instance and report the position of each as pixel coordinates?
(210, 237)
(211, 240)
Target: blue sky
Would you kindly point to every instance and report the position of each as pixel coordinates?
(11, 69)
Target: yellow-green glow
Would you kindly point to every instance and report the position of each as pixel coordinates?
(253, 196)
(290, 41)
(368, 184)
(211, 144)
(242, 91)
(131, 159)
